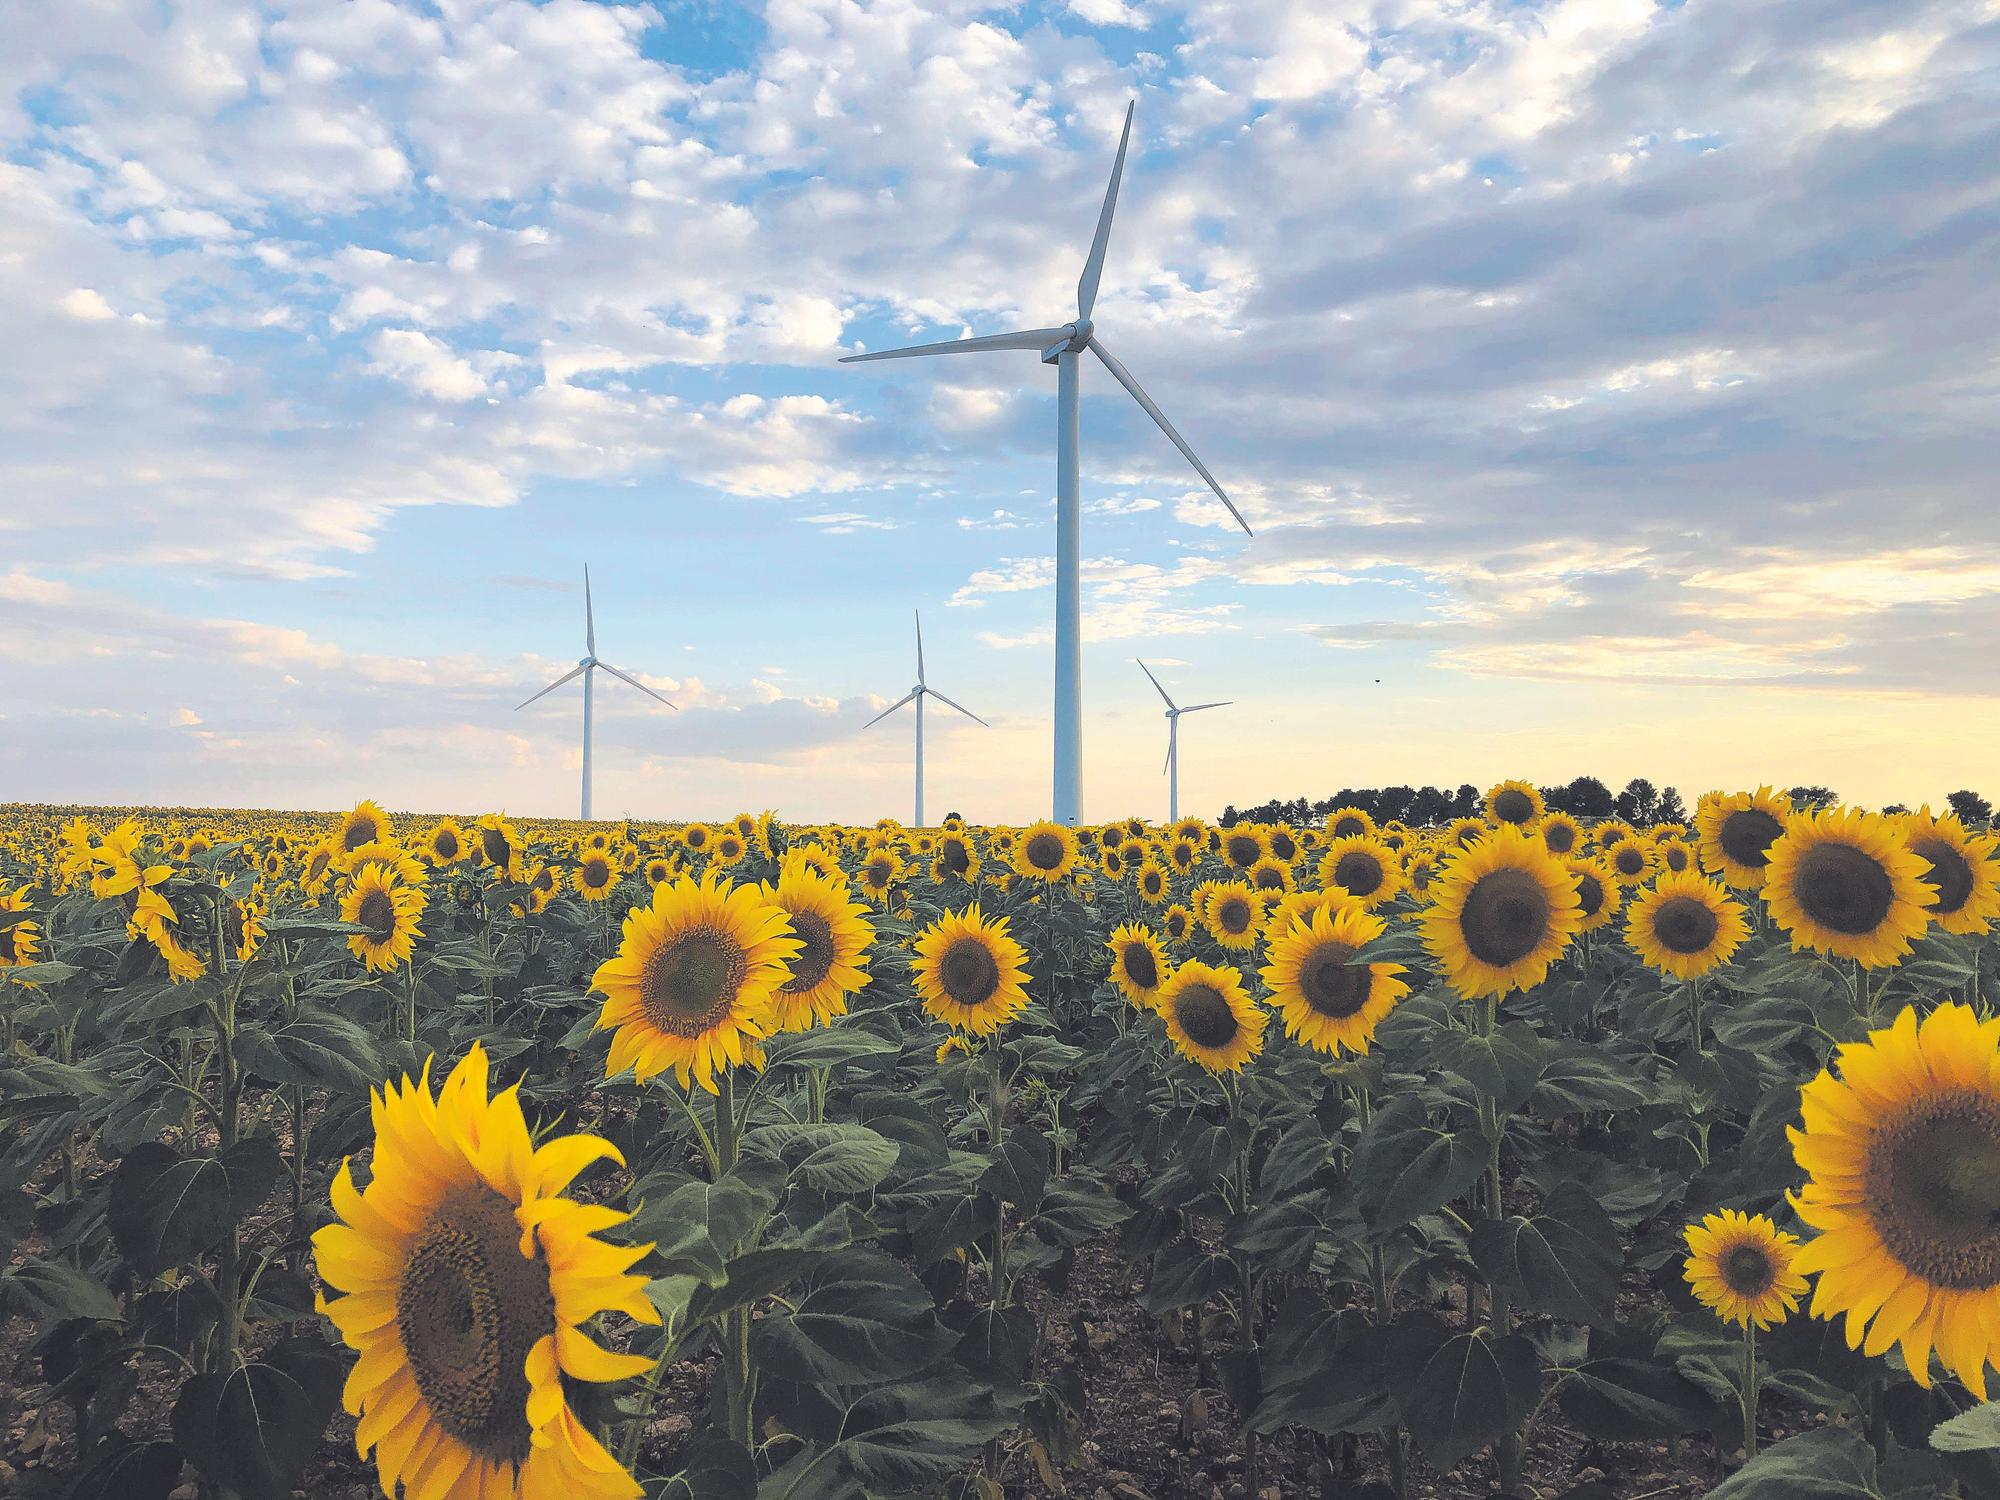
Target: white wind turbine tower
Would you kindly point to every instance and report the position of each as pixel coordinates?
(1173, 765)
(583, 669)
(917, 695)
(1062, 347)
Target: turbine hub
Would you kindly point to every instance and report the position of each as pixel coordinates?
(1081, 336)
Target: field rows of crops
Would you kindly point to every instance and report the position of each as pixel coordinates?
(750, 1161)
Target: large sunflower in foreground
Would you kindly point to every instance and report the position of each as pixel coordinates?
(1211, 1019)
(1138, 964)
(1326, 999)
(467, 1276)
(691, 985)
(834, 934)
(1500, 914)
(1743, 1268)
(1046, 851)
(1685, 925)
(1961, 868)
(1735, 832)
(1902, 1151)
(970, 973)
(379, 901)
(1848, 883)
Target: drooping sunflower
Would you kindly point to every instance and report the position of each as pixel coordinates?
(1326, 999)
(467, 1278)
(1962, 869)
(1503, 911)
(1743, 1268)
(499, 846)
(21, 942)
(1562, 833)
(1210, 1017)
(969, 972)
(1046, 851)
(692, 983)
(834, 933)
(1362, 866)
(1347, 822)
(1138, 964)
(1598, 896)
(1685, 925)
(367, 824)
(953, 1046)
(1515, 802)
(1847, 883)
(379, 900)
(955, 858)
(1632, 861)
(1902, 1152)
(1243, 844)
(1177, 922)
(242, 927)
(1233, 914)
(1735, 833)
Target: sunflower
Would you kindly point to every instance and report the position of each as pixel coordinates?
(970, 972)
(1463, 833)
(1848, 883)
(1284, 844)
(1962, 869)
(243, 927)
(1326, 999)
(659, 868)
(1270, 874)
(955, 858)
(1632, 861)
(1243, 845)
(1598, 895)
(1674, 855)
(879, 871)
(1364, 867)
(1183, 854)
(1177, 921)
(1685, 925)
(1902, 1153)
(598, 840)
(691, 987)
(1347, 822)
(1743, 1268)
(367, 824)
(380, 901)
(1503, 911)
(594, 876)
(467, 1277)
(729, 847)
(1191, 828)
(1515, 802)
(835, 934)
(1419, 871)
(696, 838)
(1138, 964)
(1560, 832)
(1046, 851)
(499, 846)
(1151, 882)
(318, 868)
(1210, 1017)
(1112, 863)
(20, 943)
(1736, 831)
(817, 857)
(1232, 915)
(953, 1046)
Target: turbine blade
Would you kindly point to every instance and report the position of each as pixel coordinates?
(1195, 708)
(1124, 378)
(574, 672)
(635, 682)
(1027, 338)
(890, 709)
(920, 647)
(1156, 682)
(949, 704)
(1093, 268)
(589, 614)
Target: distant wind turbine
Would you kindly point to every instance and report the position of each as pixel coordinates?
(1061, 347)
(583, 669)
(1173, 765)
(917, 695)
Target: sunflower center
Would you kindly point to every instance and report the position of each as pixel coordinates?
(955, 857)
(1746, 836)
(1630, 859)
(1949, 872)
(815, 960)
(1332, 985)
(1560, 838)
(1513, 806)
(1205, 1016)
(361, 832)
(446, 845)
(1044, 851)
(493, 844)
(1270, 878)
(469, 1309)
(1840, 887)
(596, 873)
(1140, 966)
(1232, 915)
(378, 914)
(1243, 851)
(1506, 915)
(1358, 872)
(969, 972)
(1747, 1270)
(1589, 893)
(1283, 847)
(691, 981)
(234, 925)
(1348, 826)
(1674, 857)
(1933, 1188)
(1684, 925)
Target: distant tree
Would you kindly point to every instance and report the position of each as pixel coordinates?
(1814, 797)
(1430, 806)
(1587, 797)
(1895, 808)
(1635, 804)
(1393, 802)
(1229, 816)
(1970, 807)
(1465, 801)
(1670, 809)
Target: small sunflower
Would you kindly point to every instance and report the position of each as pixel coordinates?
(1138, 964)
(1348, 822)
(1419, 872)
(1598, 895)
(1685, 925)
(1674, 855)
(955, 858)
(1270, 874)
(1233, 915)
(1562, 833)
(1046, 851)
(1632, 861)
(367, 824)
(1847, 883)
(729, 847)
(1463, 833)
(1177, 922)
(1902, 1152)
(21, 942)
(878, 874)
(1326, 999)
(969, 972)
(697, 837)
(380, 901)
(834, 934)
(1151, 883)
(953, 1046)
(1210, 1017)
(1183, 854)
(1517, 803)
(1743, 1268)
(1362, 866)
(1962, 869)
(1735, 832)
(1504, 910)
(1244, 844)
(499, 847)
(594, 876)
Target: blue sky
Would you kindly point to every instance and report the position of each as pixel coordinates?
(1612, 386)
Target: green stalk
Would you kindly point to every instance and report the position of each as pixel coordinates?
(1749, 1391)
(1378, 1281)
(995, 1109)
(1507, 1448)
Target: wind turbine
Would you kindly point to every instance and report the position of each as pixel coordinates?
(917, 695)
(583, 669)
(1062, 348)
(1173, 765)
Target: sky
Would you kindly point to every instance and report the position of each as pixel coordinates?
(1613, 387)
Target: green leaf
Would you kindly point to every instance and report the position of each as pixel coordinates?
(827, 1046)
(1581, 1077)
(865, 1319)
(1076, 1209)
(696, 1227)
(48, 1291)
(1624, 1400)
(715, 1469)
(1405, 1167)
(1969, 1431)
(827, 1158)
(1563, 1261)
(1458, 1391)
(1019, 1169)
(166, 1208)
(1828, 1463)
(316, 1048)
(125, 1470)
(900, 1439)
(254, 1429)
(1503, 1066)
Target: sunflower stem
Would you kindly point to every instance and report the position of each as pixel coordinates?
(1749, 1389)
(1378, 1283)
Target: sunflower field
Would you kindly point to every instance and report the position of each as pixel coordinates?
(754, 1161)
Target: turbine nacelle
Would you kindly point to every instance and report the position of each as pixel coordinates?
(1076, 340)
